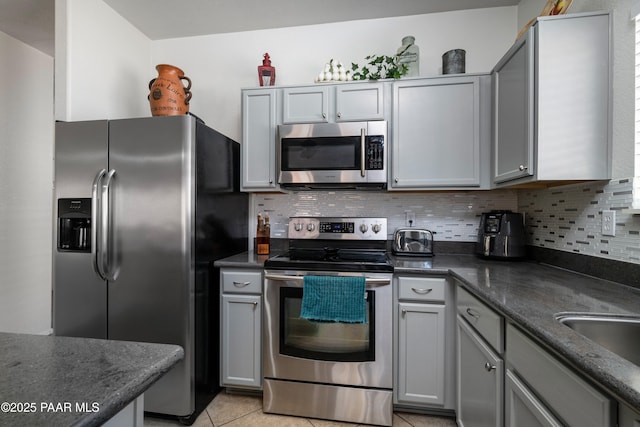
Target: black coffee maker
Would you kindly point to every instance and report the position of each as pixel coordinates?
(501, 235)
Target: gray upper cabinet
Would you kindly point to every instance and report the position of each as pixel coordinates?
(258, 148)
(333, 103)
(440, 127)
(513, 113)
(359, 102)
(306, 104)
(552, 103)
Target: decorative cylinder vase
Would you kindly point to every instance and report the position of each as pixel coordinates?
(409, 54)
(167, 94)
(453, 61)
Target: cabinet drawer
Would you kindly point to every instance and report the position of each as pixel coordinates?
(486, 321)
(421, 288)
(241, 281)
(575, 401)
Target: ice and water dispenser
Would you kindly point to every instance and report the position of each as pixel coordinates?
(74, 225)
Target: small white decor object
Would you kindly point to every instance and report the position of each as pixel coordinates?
(334, 71)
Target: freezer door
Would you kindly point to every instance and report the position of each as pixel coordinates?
(79, 294)
(152, 209)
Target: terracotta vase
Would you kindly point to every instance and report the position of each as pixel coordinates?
(167, 94)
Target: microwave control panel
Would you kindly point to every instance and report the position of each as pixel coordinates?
(374, 152)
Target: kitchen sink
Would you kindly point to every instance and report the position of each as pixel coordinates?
(617, 333)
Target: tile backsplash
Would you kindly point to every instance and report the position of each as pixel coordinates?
(453, 216)
(569, 218)
(566, 218)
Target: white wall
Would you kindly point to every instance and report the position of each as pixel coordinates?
(220, 65)
(26, 173)
(102, 67)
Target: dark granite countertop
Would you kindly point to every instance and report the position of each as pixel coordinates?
(530, 295)
(43, 378)
(244, 260)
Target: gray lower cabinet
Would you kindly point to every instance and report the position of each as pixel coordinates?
(627, 417)
(522, 407)
(553, 387)
(552, 110)
(241, 328)
(479, 363)
(441, 133)
(424, 369)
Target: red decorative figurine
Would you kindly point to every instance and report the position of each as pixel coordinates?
(266, 73)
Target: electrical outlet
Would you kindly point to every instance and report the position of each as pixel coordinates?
(608, 223)
(409, 218)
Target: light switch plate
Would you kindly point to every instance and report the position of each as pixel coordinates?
(608, 223)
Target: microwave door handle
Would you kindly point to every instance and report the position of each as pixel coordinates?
(362, 153)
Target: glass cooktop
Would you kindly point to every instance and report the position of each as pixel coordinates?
(332, 259)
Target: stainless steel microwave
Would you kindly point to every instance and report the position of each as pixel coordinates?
(349, 155)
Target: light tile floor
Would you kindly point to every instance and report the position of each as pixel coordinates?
(233, 410)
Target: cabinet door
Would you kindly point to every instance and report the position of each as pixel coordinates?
(421, 348)
(258, 146)
(571, 398)
(436, 133)
(522, 408)
(480, 376)
(627, 417)
(241, 347)
(356, 102)
(513, 109)
(308, 104)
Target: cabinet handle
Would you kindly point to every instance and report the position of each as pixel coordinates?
(241, 284)
(396, 180)
(421, 291)
(523, 168)
(324, 116)
(339, 115)
(255, 304)
(489, 367)
(404, 311)
(471, 312)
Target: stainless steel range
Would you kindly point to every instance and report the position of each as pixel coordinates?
(330, 369)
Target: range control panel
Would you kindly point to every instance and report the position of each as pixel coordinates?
(337, 228)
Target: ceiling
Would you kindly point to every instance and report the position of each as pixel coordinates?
(32, 22)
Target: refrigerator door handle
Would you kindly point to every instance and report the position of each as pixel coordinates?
(96, 210)
(107, 257)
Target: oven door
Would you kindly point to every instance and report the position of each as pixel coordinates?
(332, 153)
(325, 352)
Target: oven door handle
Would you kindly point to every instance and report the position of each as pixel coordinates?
(283, 277)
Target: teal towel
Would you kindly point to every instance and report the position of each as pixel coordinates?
(334, 299)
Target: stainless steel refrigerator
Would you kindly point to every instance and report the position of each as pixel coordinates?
(142, 209)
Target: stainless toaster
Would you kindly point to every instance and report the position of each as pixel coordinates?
(413, 241)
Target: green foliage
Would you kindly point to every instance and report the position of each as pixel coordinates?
(379, 67)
